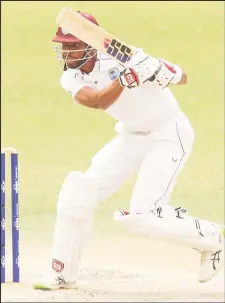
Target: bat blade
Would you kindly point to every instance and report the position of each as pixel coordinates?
(94, 35)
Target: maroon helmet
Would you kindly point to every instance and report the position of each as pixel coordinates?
(64, 36)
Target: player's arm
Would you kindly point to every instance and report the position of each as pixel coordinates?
(99, 99)
(183, 79)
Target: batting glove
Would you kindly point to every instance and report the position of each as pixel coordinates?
(140, 72)
(167, 73)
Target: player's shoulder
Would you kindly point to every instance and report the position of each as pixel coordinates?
(69, 76)
(71, 73)
(71, 81)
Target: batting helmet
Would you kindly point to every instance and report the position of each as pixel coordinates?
(64, 36)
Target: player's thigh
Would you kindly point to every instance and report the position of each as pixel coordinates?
(160, 168)
(116, 162)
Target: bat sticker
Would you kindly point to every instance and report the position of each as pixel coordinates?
(118, 50)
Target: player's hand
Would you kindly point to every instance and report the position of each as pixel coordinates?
(167, 73)
(136, 74)
(159, 72)
(129, 78)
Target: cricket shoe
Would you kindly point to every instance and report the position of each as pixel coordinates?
(54, 282)
(211, 261)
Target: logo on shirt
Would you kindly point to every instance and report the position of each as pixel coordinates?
(114, 73)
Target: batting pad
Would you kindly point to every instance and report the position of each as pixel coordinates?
(166, 225)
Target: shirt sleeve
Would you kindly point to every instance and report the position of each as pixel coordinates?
(72, 82)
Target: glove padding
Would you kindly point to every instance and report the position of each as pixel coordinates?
(129, 78)
(158, 71)
(134, 75)
(166, 74)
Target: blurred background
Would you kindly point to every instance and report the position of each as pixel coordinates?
(54, 137)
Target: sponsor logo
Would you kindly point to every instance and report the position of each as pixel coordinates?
(16, 187)
(3, 261)
(3, 224)
(117, 49)
(16, 223)
(57, 265)
(18, 262)
(3, 187)
(114, 73)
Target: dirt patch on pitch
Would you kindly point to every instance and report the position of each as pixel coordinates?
(121, 270)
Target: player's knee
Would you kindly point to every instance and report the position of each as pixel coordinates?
(78, 196)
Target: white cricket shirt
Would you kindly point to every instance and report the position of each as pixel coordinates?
(144, 108)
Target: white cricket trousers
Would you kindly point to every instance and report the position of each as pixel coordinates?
(157, 158)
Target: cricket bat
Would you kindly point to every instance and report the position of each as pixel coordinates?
(94, 35)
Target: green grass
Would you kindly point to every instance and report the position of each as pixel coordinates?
(54, 136)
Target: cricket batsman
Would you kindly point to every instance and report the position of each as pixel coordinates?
(153, 139)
